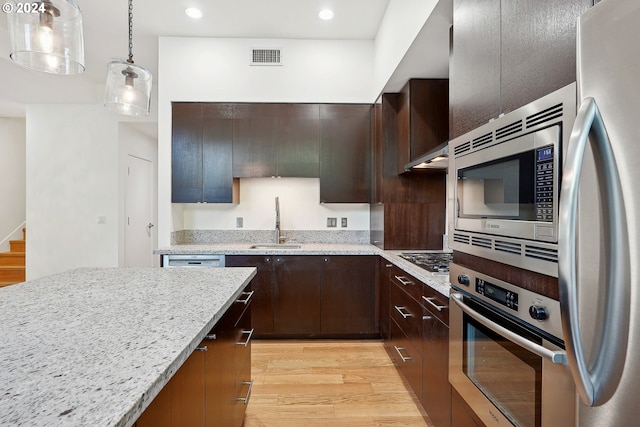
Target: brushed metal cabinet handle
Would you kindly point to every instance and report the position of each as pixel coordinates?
(403, 280)
(399, 351)
(401, 309)
(434, 305)
(246, 342)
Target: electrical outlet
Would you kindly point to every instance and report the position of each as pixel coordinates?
(344, 222)
(239, 222)
(332, 222)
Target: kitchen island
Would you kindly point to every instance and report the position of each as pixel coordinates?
(94, 346)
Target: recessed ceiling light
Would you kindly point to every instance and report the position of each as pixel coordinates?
(194, 13)
(326, 14)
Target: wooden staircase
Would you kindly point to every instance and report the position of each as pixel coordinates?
(12, 263)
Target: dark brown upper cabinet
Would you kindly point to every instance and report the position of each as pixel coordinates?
(506, 54)
(298, 140)
(201, 147)
(255, 152)
(423, 118)
(345, 153)
(276, 140)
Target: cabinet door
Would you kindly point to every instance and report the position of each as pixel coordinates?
(262, 285)
(383, 305)
(436, 390)
(296, 297)
(423, 119)
(217, 152)
(242, 368)
(345, 153)
(254, 140)
(182, 401)
(348, 295)
(219, 372)
(474, 71)
(538, 48)
(186, 153)
(298, 140)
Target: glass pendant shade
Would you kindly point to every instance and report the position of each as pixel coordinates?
(48, 37)
(128, 89)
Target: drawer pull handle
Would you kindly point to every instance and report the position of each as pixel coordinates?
(245, 399)
(211, 337)
(402, 310)
(246, 300)
(404, 358)
(403, 280)
(434, 305)
(427, 317)
(245, 343)
(388, 265)
(202, 348)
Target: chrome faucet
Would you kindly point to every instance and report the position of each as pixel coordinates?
(277, 220)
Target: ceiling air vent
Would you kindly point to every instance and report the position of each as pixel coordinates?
(266, 57)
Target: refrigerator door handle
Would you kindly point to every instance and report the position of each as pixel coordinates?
(596, 380)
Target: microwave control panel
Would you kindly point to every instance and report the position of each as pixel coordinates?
(544, 184)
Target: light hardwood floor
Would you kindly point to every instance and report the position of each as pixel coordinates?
(320, 383)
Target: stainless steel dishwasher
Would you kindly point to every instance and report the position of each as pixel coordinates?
(192, 261)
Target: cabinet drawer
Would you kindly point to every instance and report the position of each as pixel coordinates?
(410, 284)
(407, 313)
(406, 358)
(436, 303)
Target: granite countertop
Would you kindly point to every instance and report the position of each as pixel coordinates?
(93, 347)
(439, 283)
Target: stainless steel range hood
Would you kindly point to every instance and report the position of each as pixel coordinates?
(438, 158)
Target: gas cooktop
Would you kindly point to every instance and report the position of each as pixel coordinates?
(436, 263)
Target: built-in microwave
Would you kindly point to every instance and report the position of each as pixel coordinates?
(504, 184)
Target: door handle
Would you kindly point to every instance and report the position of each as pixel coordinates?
(595, 385)
(150, 225)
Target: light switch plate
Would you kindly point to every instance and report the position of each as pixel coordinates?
(343, 222)
(239, 222)
(332, 222)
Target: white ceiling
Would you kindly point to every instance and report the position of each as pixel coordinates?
(106, 37)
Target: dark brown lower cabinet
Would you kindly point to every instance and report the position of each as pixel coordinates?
(306, 296)
(418, 341)
(262, 285)
(213, 385)
(296, 296)
(348, 297)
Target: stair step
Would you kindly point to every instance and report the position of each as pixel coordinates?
(12, 258)
(17, 245)
(12, 273)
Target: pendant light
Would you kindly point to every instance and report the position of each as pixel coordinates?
(128, 89)
(46, 35)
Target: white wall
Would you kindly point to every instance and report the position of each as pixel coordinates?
(218, 70)
(72, 178)
(401, 24)
(12, 178)
(299, 208)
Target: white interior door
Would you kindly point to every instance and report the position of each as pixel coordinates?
(139, 225)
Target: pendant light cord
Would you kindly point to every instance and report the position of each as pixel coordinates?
(130, 60)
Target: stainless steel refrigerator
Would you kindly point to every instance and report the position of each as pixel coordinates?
(599, 237)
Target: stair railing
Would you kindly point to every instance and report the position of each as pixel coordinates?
(15, 230)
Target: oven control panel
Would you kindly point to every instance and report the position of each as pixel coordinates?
(500, 295)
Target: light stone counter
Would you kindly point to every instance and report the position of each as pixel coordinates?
(438, 282)
(93, 347)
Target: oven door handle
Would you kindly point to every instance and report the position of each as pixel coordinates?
(554, 356)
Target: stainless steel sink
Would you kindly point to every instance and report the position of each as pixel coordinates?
(274, 246)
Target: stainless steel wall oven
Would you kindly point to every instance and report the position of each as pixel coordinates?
(506, 357)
